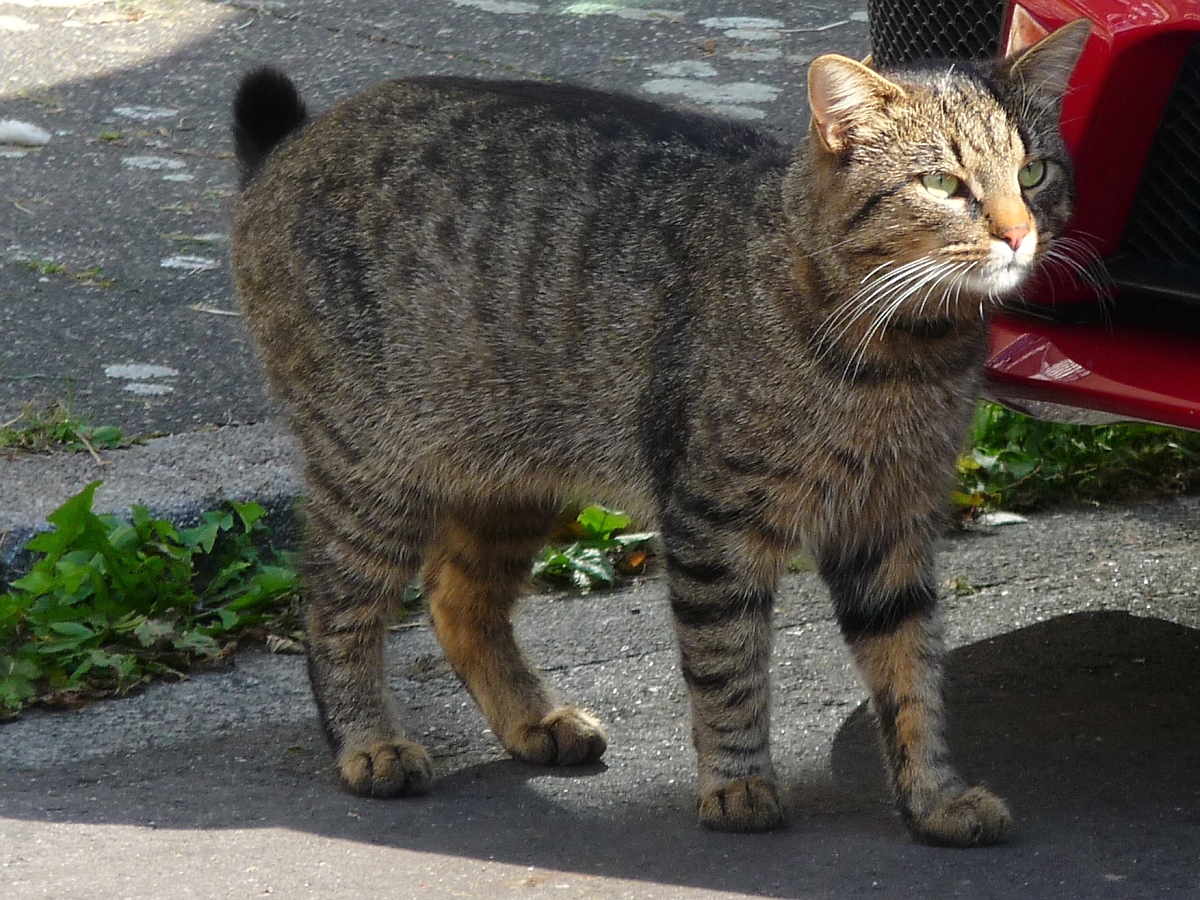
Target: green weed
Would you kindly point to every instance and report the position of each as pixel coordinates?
(601, 550)
(110, 604)
(54, 426)
(1016, 462)
(45, 266)
(93, 276)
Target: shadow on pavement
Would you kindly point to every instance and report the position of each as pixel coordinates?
(1089, 724)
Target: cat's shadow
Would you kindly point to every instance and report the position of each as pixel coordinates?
(1088, 724)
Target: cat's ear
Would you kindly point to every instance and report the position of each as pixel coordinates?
(845, 96)
(1042, 69)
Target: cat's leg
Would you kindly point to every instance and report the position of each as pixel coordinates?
(356, 568)
(721, 586)
(885, 596)
(473, 577)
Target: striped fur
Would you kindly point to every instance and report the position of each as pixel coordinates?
(481, 300)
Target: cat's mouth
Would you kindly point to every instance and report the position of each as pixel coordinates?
(999, 283)
(1003, 272)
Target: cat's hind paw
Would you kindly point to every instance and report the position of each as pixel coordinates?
(394, 768)
(568, 736)
(970, 818)
(747, 804)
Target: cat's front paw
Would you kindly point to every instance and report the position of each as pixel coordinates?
(968, 818)
(566, 737)
(747, 804)
(393, 768)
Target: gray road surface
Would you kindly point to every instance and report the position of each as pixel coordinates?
(1075, 678)
(1074, 692)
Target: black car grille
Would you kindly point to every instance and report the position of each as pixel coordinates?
(1164, 224)
(904, 31)
(1160, 250)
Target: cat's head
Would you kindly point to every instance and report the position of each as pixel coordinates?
(939, 189)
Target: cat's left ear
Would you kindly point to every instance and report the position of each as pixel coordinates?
(845, 96)
(1043, 69)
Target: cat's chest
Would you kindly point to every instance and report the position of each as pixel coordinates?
(817, 455)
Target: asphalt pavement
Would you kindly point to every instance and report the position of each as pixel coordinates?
(1074, 682)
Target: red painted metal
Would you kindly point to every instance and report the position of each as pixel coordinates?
(1132, 372)
(1110, 115)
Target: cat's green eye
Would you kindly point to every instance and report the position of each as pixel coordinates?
(1032, 174)
(941, 185)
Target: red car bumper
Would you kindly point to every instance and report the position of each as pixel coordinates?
(1134, 101)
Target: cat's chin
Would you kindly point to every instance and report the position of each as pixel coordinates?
(997, 282)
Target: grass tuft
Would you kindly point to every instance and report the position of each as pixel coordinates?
(44, 428)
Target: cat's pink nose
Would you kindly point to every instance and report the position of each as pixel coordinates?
(1014, 235)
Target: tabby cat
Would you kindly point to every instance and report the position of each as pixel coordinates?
(480, 300)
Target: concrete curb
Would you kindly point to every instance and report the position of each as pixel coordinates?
(177, 477)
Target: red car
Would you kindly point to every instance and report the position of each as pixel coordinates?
(1124, 342)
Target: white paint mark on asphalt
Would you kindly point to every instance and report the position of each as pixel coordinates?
(687, 68)
(153, 163)
(23, 134)
(8, 153)
(182, 176)
(649, 15)
(590, 8)
(742, 22)
(618, 9)
(56, 4)
(737, 92)
(143, 389)
(511, 7)
(190, 263)
(146, 113)
(771, 53)
(737, 111)
(859, 15)
(138, 371)
(15, 23)
(753, 34)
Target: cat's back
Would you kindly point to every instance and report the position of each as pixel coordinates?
(450, 119)
(466, 215)
(469, 154)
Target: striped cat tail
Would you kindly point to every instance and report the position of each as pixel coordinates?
(266, 109)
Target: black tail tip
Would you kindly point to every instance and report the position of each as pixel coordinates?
(266, 109)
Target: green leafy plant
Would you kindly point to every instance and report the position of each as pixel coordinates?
(1017, 462)
(109, 604)
(601, 550)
